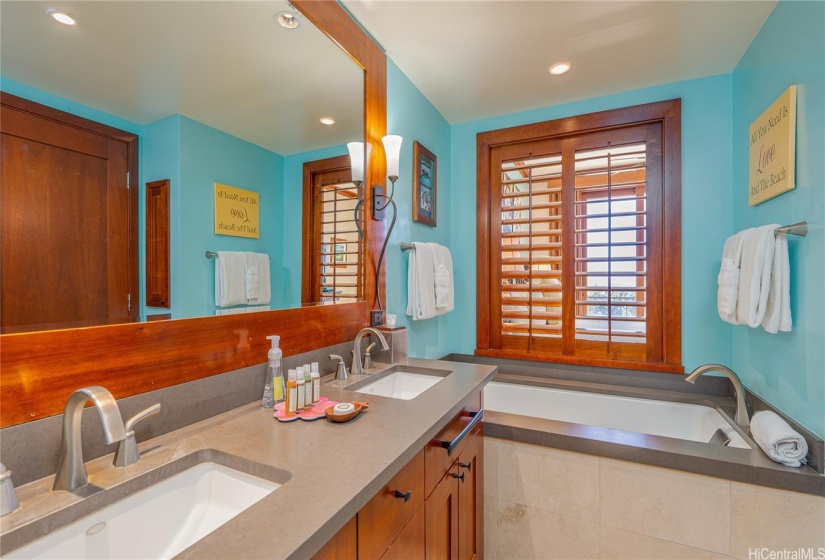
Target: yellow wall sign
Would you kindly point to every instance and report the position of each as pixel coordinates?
(773, 150)
(236, 212)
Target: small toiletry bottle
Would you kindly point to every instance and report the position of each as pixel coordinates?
(316, 383)
(307, 387)
(274, 388)
(299, 379)
(291, 394)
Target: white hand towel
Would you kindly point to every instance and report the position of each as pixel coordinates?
(264, 282)
(729, 278)
(778, 440)
(778, 311)
(443, 276)
(421, 283)
(251, 278)
(230, 279)
(755, 274)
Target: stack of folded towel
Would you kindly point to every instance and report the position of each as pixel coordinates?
(242, 278)
(430, 288)
(778, 440)
(754, 280)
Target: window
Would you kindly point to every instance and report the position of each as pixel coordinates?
(332, 263)
(579, 256)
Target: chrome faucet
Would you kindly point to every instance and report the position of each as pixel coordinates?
(741, 409)
(341, 372)
(71, 470)
(356, 368)
(127, 451)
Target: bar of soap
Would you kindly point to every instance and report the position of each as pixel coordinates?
(343, 408)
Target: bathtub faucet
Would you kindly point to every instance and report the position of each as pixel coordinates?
(741, 409)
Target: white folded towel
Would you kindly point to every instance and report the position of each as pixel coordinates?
(443, 276)
(264, 282)
(778, 440)
(728, 279)
(778, 310)
(755, 271)
(421, 283)
(251, 268)
(230, 279)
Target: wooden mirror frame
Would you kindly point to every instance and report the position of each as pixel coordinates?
(38, 371)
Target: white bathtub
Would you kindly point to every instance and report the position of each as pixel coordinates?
(659, 418)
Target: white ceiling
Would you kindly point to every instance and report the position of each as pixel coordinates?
(475, 59)
(225, 64)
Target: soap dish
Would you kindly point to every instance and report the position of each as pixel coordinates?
(357, 408)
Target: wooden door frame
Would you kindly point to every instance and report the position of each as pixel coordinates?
(309, 246)
(132, 165)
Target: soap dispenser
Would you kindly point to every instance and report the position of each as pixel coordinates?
(274, 388)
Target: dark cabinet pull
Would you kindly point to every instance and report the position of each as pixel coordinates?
(451, 445)
(459, 476)
(400, 494)
(468, 466)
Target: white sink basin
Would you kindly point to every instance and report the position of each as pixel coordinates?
(158, 522)
(400, 385)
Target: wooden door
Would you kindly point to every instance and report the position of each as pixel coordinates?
(471, 500)
(68, 222)
(441, 509)
(333, 264)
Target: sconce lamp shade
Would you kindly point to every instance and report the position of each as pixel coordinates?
(356, 160)
(392, 148)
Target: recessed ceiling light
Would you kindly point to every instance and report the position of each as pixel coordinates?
(327, 121)
(289, 20)
(560, 68)
(62, 17)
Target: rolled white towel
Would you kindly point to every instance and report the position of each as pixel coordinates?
(778, 440)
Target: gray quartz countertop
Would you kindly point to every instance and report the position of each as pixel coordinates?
(331, 470)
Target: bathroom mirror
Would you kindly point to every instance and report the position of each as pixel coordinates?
(219, 92)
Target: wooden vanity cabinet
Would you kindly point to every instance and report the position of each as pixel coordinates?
(455, 508)
(432, 509)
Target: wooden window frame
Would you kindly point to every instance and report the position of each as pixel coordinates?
(668, 280)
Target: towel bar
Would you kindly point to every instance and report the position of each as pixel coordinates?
(407, 247)
(211, 254)
(799, 228)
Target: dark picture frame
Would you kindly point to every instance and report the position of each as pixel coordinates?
(425, 174)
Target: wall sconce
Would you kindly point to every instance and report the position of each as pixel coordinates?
(379, 200)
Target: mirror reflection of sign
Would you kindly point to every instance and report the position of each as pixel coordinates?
(236, 211)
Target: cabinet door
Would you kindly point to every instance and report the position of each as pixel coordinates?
(441, 509)
(343, 545)
(471, 500)
(386, 514)
(409, 544)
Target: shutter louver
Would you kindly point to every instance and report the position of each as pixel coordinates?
(340, 250)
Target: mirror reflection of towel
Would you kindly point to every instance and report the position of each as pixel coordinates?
(230, 279)
(443, 273)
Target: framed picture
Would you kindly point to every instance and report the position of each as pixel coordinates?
(424, 184)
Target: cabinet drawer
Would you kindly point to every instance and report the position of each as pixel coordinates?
(437, 460)
(382, 519)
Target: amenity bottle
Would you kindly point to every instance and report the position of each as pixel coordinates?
(291, 394)
(274, 387)
(316, 383)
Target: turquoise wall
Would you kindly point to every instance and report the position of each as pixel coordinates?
(787, 369)
(413, 117)
(706, 206)
(209, 156)
(160, 159)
